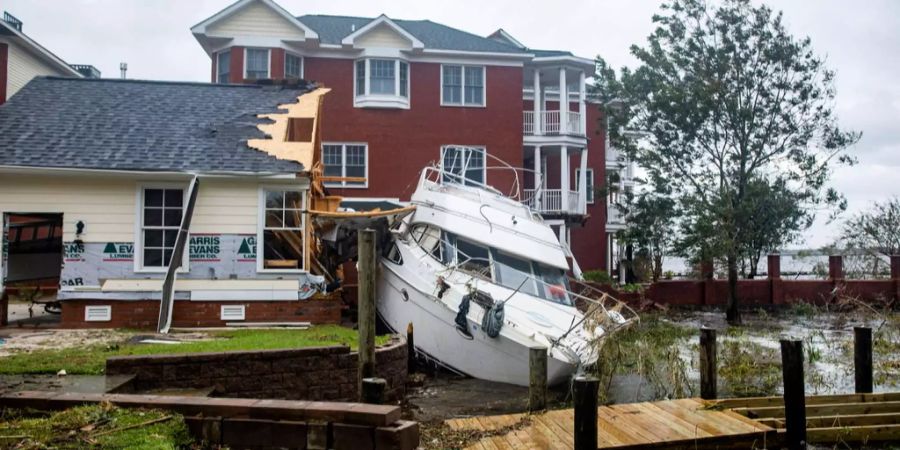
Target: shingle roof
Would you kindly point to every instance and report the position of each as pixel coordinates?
(333, 29)
(140, 125)
(546, 53)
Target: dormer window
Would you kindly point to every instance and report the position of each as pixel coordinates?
(256, 64)
(381, 83)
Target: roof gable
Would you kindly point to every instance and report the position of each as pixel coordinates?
(254, 18)
(382, 32)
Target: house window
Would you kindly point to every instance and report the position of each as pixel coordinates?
(282, 234)
(381, 83)
(223, 66)
(462, 85)
(345, 160)
(256, 63)
(464, 165)
(293, 66)
(590, 183)
(160, 221)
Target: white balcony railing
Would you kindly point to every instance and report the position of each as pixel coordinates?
(550, 201)
(550, 123)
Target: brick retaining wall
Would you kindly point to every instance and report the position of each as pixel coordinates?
(144, 314)
(317, 373)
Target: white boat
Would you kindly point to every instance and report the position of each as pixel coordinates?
(467, 241)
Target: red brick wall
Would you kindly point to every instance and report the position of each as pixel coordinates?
(589, 241)
(276, 64)
(144, 314)
(236, 71)
(4, 64)
(402, 142)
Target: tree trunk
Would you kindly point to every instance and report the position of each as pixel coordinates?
(732, 313)
(754, 263)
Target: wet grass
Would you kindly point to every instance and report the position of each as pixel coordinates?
(91, 360)
(94, 426)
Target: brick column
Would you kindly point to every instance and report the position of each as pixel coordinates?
(776, 290)
(836, 268)
(895, 275)
(707, 274)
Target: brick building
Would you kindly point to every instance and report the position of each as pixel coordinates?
(406, 93)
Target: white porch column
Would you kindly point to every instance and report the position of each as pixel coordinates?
(582, 182)
(538, 178)
(537, 103)
(563, 102)
(564, 177)
(563, 235)
(582, 98)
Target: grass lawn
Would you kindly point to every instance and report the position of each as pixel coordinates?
(94, 426)
(92, 360)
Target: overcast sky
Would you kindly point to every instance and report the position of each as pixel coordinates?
(860, 39)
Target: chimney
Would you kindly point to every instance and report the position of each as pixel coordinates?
(123, 67)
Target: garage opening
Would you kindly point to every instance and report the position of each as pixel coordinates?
(31, 271)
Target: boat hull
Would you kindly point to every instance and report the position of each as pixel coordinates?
(503, 359)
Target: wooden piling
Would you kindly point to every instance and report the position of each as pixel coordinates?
(537, 378)
(410, 349)
(794, 395)
(373, 390)
(862, 359)
(585, 399)
(708, 364)
(366, 305)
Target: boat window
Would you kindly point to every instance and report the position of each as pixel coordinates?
(394, 255)
(554, 286)
(432, 240)
(473, 258)
(514, 273)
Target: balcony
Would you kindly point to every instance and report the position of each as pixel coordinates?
(550, 201)
(549, 124)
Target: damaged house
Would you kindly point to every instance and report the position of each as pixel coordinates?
(120, 166)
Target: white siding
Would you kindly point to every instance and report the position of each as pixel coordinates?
(256, 19)
(23, 66)
(382, 36)
(226, 207)
(105, 206)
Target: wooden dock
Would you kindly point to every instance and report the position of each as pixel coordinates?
(666, 424)
(696, 424)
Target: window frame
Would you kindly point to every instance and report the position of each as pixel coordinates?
(219, 72)
(462, 93)
(300, 61)
(268, 62)
(139, 228)
(370, 100)
(344, 145)
(261, 227)
(484, 154)
(589, 195)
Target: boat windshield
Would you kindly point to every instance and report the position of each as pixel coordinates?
(530, 277)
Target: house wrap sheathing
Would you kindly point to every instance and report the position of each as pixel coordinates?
(113, 159)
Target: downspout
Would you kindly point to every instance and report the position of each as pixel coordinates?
(168, 289)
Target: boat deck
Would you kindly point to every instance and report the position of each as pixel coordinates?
(666, 424)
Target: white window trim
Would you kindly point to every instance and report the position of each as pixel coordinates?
(302, 63)
(463, 103)
(368, 100)
(261, 226)
(218, 71)
(343, 184)
(139, 228)
(268, 61)
(589, 186)
(484, 158)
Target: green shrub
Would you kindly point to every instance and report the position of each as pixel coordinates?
(598, 276)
